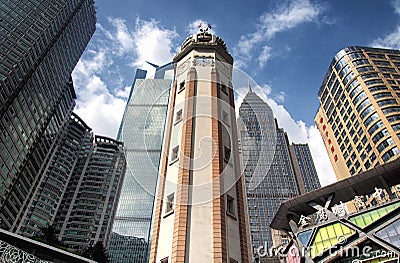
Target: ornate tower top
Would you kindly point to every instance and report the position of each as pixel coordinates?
(204, 39)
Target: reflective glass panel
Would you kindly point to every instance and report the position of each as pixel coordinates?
(365, 219)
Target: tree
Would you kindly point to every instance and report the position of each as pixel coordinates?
(97, 252)
(48, 235)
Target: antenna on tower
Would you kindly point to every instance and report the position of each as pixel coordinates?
(248, 86)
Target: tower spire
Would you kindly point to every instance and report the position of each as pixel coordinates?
(249, 87)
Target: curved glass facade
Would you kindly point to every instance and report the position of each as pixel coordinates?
(359, 114)
(142, 131)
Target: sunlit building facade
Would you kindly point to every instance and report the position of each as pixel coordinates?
(359, 113)
(40, 44)
(275, 171)
(200, 208)
(142, 130)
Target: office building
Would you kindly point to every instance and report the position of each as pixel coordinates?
(275, 171)
(88, 208)
(20, 189)
(200, 211)
(67, 149)
(322, 229)
(78, 188)
(359, 113)
(40, 44)
(43, 144)
(303, 164)
(142, 130)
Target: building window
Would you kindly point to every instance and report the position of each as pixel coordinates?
(169, 205)
(224, 89)
(230, 206)
(181, 86)
(164, 260)
(225, 117)
(227, 154)
(178, 116)
(175, 154)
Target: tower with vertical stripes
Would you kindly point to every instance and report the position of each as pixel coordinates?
(199, 213)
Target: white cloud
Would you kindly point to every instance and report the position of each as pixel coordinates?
(148, 37)
(320, 156)
(100, 59)
(287, 16)
(99, 75)
(396, 5)
(264, 56)
(392, 40)
(280, 97)
(124, 93)
(253, 46)
(103, 113)
(122, 36)
(100, 109)
(329, 20)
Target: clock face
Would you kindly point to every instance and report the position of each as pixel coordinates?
(203, 61)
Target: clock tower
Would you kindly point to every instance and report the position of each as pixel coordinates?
(200, 209)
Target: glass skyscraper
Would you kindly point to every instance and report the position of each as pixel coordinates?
(269, 168)
(142, 130)
(40, 44)
(304, 167)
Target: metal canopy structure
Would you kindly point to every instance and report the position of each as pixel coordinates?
(383, 176)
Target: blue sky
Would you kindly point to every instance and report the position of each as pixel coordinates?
(284, 46)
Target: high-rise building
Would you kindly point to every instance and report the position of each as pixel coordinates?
(78, 187)
(303, 164)
(21, 191)
(142, 130)
(359, 113)
(67, 149)
(88, 208)
(40, 44)
(274, 170)
(200, 211)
